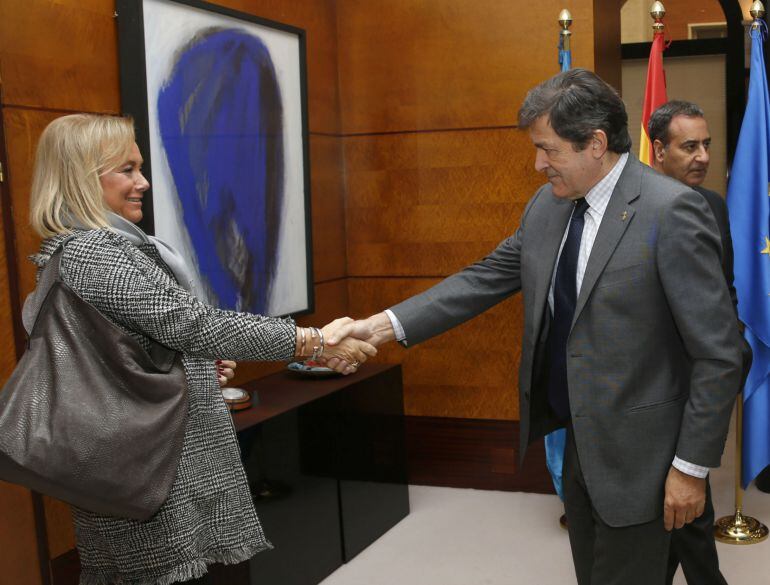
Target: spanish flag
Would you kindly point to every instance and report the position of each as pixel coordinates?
(654, 94)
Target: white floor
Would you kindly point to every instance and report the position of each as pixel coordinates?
(473, 537)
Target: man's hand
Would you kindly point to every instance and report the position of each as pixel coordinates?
(347, 355)
(375, 330)
(684, 500)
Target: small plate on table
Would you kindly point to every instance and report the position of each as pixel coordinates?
(311, 369)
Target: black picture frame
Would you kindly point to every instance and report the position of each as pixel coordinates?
(135, 103)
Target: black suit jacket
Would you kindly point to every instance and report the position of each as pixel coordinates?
(719, 209)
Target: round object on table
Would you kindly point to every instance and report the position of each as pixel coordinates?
(236, 398)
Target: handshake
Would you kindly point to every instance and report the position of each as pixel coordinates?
(347, 343)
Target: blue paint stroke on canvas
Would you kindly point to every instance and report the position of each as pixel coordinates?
(221, 124)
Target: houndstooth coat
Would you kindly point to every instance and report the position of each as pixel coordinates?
(209, 515)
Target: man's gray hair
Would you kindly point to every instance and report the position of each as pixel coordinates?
(578, 102)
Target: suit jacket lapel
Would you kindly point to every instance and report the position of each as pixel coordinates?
(616, 219)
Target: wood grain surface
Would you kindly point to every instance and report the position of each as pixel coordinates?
(408, 65)
(427, 204)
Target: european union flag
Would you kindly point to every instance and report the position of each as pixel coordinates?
(749, 206)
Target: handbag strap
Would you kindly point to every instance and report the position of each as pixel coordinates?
(49, 276)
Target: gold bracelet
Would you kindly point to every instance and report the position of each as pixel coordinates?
(301, 352)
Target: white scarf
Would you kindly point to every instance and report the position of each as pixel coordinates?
(136, 236)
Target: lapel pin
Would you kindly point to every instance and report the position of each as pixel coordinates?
(624, 216)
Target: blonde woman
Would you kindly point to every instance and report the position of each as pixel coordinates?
(88, 183)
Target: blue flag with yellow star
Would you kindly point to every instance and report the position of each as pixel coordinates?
(749, 206)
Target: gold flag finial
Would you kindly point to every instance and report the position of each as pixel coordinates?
(757, 11)
(565, 20)
(658, 11)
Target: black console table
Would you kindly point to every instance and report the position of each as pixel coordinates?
(326, 461)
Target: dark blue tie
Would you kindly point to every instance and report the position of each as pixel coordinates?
(564, 299)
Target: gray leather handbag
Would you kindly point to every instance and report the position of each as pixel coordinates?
(88, 416)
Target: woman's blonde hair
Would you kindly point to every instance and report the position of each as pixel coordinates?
(73, 153)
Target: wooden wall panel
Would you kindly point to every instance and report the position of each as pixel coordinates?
(607, 57)
(60, 55)
(18, 546)
(468, 372)
(327, 189)
(426, 204)
(22, 130)
(19, 563)
(408, 65)
(7, 340)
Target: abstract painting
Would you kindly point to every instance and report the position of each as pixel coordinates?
(224, 113)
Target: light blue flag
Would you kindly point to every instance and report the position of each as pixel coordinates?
(749, 206)
(554, 457)
(565, 57)
(555, 442)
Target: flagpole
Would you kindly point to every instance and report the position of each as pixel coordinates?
(655, 85)
(556, 441)
(740, 529)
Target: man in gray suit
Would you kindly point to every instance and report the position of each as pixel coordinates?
(681, 144)
(629, 339)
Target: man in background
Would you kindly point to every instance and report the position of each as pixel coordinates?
(681, 142)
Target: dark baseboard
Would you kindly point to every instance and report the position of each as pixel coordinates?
(473, 453)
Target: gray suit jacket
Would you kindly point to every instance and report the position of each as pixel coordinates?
(653, 358)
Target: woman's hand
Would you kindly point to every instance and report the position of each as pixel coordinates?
(225, 371)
